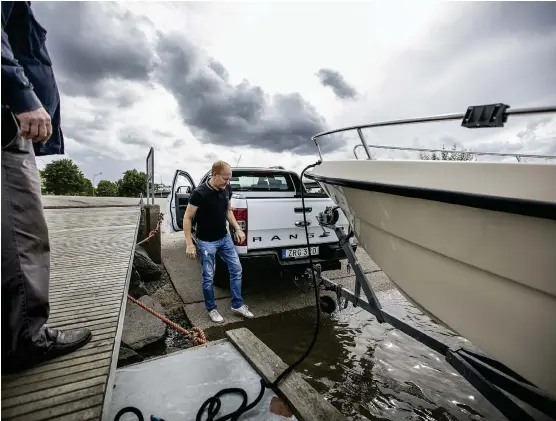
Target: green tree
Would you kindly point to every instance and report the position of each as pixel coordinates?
(132, 184)
(43, 188)
(87, 189)
(63, 177)
(106, 188)
(453, 155)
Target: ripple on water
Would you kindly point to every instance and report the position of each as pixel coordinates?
(371, 371)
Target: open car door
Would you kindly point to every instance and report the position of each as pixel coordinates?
(182, 187)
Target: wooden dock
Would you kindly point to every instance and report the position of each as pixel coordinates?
(91, 256)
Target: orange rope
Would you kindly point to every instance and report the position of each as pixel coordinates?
(153, 232)
(197, 335)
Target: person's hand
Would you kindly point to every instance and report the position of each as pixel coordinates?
(191, 251)
(240, 236)
(35, 125)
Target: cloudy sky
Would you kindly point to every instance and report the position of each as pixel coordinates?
(206, 81)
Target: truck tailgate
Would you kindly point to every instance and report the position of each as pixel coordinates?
(279, 222)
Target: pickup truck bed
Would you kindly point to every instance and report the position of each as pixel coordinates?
(267, 205)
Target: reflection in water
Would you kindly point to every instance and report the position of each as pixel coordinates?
(371, 371)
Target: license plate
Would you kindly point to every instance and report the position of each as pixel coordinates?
(299, 253)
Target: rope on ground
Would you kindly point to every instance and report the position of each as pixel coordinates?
(197, 335)
(154, 231)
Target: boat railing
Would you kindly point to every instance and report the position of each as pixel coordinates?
(494, 115)
(469, 152)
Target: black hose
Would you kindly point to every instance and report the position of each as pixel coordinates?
(213, 404)
(317, 325)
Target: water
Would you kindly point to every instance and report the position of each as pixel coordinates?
(371, 371)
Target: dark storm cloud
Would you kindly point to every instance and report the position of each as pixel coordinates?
(99, 42)
(221, 113)
(91, 42)
(219, 69)
(337, 83)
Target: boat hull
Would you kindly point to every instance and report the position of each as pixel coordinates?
(485, 269)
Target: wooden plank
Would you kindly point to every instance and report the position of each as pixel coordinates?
(78, 298)
(91, 256)
(54, 382)
(306, 403)
(64, 409)
(67, 314)
(53, 401)
(51, 393)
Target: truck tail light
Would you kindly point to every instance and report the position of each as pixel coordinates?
(241, 217)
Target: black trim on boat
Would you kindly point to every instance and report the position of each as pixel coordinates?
(545, 210)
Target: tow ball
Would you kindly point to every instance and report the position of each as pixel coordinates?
(329, 216)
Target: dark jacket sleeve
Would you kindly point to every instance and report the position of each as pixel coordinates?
(17, 91)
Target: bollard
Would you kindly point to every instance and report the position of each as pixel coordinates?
(149, 219)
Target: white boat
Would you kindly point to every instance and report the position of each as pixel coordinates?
(472, 244)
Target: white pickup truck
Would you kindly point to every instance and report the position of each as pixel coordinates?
(267, 205)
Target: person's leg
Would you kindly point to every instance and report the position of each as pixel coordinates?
(25, 252)
(207, 253)
(229, 254)
(26, 266)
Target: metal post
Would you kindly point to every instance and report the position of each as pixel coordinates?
(364, 142)
(95, 176)
(152, 176)
(150, 173)
(148, 179)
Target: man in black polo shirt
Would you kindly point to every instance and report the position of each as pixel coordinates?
(210, 205)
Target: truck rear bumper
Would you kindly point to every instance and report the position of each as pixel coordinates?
(329, 258)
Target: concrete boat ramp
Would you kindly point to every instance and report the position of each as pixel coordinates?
(265, 293)
(92, 244)
(175, 387)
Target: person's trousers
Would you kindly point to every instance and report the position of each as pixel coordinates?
(25, 255)
(207, 253)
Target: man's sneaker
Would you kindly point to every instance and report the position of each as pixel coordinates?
(244, 311)
(215, 316)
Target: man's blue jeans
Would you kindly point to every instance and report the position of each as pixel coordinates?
(207, 253)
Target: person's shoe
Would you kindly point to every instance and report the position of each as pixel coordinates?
(63, 342)
(66, 341)
(215, 316)
(244, 311)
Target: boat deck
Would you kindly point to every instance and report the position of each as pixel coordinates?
(91, 255)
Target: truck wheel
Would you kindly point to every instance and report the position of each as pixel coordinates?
(221, 274)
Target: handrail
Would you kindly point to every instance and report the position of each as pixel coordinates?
(515, 155)
(430, 119)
